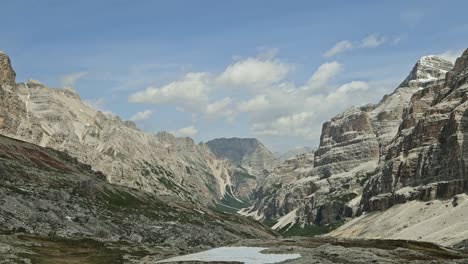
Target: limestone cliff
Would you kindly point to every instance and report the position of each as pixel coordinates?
(59, 119)
(352, 147)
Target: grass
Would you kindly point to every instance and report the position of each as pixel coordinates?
(270, 223)
(229, 204)
(309, 230)
(57, 251)
(122, 199)
(243, 175)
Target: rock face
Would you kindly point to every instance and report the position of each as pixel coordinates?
(49, 193)
(352, 148)
(248, 153)
(7, 74)
(249, 162)
(427, 158)
(162, 163)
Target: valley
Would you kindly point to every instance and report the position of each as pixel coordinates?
(387, 184)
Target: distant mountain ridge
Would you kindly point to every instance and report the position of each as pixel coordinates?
(249, 153)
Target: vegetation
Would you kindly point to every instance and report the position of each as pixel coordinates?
(309, 230)
(270, 223)
(230, 204)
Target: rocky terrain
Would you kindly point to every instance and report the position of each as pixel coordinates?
(49, 197)
(78, 179)
(425, 161)
(316, 196)
(249, 162)
(248, 153)
(160, 163)
(292, 153)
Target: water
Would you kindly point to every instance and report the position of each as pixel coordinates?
(247, 255)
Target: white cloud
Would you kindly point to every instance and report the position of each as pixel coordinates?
(254, 72)
(70, 80)
(255, 89)
(339, 47)
(296, 124)
(189, 131)
(140, 116)
(370, 41)
(373, 41)
(450, 55)
(257, 103)
(324, 74)
(222, 107)
(191, 90)
(194, 91)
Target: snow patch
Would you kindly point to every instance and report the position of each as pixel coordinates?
(285, 220)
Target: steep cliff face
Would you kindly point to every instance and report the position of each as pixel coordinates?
(247, 162)
(352, 146)
(427, 158)
(7, 74)
(248, 153)
(57, 118)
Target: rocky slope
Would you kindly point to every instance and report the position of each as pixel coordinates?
(248, 161)
(352, 147)
(49, 194)
(59, 119)
(248, 153)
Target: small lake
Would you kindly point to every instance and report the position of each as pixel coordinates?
(247, 255)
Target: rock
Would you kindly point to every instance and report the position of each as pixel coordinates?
(41, 205)
(7, 74)
(248, 153)
(162, 163)
(352, 148)
(427, 153)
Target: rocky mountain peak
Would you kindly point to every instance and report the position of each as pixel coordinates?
(7, 74)
(427, 69)
(249, 153)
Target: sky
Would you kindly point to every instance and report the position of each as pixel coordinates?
(273, 70)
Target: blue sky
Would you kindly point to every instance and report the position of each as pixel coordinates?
(275, 70)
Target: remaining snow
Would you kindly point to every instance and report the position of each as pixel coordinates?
(355, 202)
(435, 221)
(247, 255)
(253, 214)
(289, 218)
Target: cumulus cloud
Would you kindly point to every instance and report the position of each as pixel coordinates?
(254, 72)
(296, 124)
(339, 47)
(324, 74)
(194, 91)
(191, 88)
(140, 116)
(189, 131)
(256, 89)
(257, 103)
(70, 80)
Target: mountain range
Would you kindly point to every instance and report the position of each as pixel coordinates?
(381, 170)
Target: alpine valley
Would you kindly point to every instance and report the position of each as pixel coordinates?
(387, 184)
